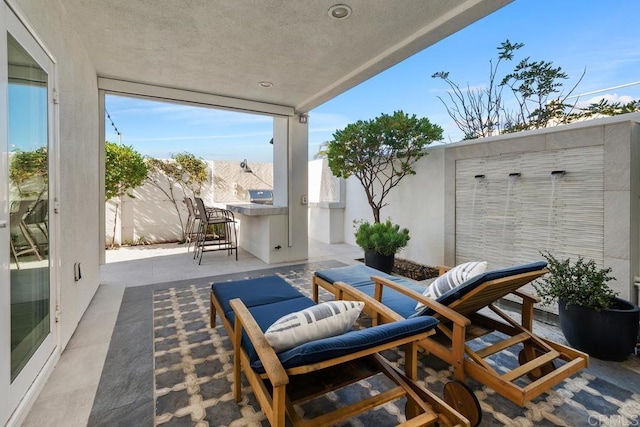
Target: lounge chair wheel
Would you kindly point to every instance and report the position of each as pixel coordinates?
(539, 372)
(461, 398)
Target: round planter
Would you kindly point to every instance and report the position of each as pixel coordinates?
(379, 262)
(608, 335)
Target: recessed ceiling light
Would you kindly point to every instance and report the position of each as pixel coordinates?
(265, 84)
(339, 11)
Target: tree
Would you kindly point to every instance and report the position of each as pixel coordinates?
(477, 112)
(125, 170)
(184, 170)
(29, 171)
(536, 87)
(193, 172)
(380, 152)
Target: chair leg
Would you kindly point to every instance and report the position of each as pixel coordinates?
(14, 253)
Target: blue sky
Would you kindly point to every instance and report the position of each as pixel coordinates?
(599, 36)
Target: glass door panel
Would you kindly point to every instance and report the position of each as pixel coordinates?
(28, 204)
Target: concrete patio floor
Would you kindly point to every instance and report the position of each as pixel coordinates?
(68, 395)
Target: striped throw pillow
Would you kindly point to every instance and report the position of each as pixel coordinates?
(320, 321)
(452, 279)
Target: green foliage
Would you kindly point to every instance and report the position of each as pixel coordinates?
(380, 152)
(384, 238)
(537, 88)
(28, 166)
(581, 283)
(125, 170)
(192, 172)
(478, 112)
(606, 108)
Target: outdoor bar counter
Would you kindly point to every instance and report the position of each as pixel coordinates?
(262, 230)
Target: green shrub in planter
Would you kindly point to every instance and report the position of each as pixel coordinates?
(384, 238)
(592, 318)
(582, 283)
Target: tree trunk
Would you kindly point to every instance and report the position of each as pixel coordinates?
(115, 221)
(376, 214)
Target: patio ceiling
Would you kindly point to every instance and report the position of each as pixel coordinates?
(227, 47)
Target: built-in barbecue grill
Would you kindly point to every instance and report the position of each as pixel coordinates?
(263, 197)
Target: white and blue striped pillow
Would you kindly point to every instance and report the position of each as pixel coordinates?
(453, 278)
(320, 321)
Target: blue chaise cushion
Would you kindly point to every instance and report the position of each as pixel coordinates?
(253, 292)
(266, 314)
(354, 275)
(474, 282)
(349, 342)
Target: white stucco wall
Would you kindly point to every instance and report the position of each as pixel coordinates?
(78, 240)
(416, 203)
(151, 217)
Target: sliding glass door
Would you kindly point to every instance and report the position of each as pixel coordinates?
(26, 235)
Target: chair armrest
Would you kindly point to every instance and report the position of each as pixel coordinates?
(440, 309)
(265, 352)
(370, 303)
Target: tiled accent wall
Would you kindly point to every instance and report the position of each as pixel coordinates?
(591, 210)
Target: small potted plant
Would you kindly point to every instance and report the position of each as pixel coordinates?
(381, 241)
(592, 317)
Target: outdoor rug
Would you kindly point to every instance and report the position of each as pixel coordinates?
(193, 376)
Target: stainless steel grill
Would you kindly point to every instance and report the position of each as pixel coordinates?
(263, 197)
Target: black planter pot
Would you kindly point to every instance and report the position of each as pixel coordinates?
(608, 335)
(379, 262)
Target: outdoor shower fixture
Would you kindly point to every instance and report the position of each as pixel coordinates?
(479, 177)
(514, 174)
(245, 167)
(558, 173)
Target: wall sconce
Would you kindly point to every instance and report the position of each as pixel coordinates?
(304, 118)
(245, 167)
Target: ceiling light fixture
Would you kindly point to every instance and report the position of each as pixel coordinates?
(265, 84)
(339, 11)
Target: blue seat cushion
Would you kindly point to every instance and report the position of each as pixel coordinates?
(266, 314)
(354, 275)
(468, 286)
(349, 342)
(253, 292)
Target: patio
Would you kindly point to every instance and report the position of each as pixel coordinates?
(106, 374)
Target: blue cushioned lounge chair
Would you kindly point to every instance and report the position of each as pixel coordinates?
(545, 363)
(281, 380)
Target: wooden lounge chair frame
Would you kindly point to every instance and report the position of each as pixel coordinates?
(279, 389)
(537, 358)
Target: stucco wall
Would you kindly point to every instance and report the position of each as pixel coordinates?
(416, 203)
(152, 217)
(79, 228)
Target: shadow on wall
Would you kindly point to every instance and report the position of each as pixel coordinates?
(151, 217)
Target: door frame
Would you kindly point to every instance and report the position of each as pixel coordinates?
(26, 386)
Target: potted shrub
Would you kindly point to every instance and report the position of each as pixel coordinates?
(381, 241)
(592, 317)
